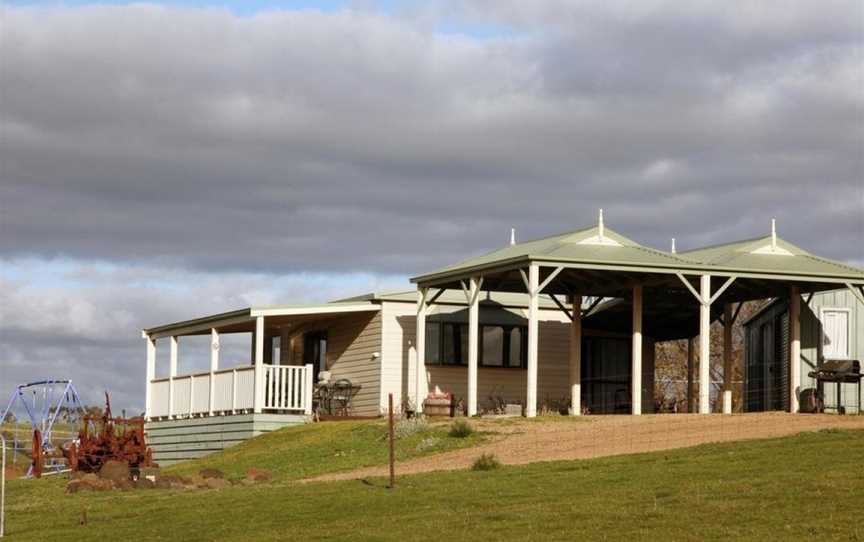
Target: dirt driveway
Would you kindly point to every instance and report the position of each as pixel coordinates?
(518, 441)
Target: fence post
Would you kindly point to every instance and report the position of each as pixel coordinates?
(392, 449)
(3, 489)
(307, 390)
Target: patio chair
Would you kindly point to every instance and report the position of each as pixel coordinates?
(342, 392)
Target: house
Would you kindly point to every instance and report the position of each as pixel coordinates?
(564, 323)
(832, 328)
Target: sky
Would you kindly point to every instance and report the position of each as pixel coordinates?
(162, 161)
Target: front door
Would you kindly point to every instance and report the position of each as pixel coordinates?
(315, 352)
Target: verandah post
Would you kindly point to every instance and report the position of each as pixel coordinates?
(420, 347)
(307, 389)
(794, 347)
(214, 365)
(636, 355)
(172, 373)
(473, 332)
(576, 356)
(727, 358)
(258, 401)
(151, 374)
(705, 345)
(533, 328)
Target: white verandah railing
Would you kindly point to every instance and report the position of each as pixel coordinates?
(283, 389)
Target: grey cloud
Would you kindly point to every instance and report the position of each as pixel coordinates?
(290, 141)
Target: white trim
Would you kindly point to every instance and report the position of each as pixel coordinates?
(317, 309)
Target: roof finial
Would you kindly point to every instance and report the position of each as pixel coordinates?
(512, 236)
(600, 225)
(673, 246)
(773, 235)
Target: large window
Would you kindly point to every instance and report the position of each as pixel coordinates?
(835, 333)
(500, 346)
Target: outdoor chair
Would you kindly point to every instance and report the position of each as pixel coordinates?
(342, 392)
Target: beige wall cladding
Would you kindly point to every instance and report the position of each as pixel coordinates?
(352, 344)
(399, 331)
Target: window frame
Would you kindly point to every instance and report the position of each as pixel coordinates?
(848, 311)
(505, 349)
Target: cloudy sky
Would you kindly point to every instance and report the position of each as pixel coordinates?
(163, 161)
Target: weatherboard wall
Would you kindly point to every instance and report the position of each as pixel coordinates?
(173, 441)
(399, 329)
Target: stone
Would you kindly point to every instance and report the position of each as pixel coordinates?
(144, 483)
(216, 483)
(124, 485)
(89, 484)
(195, 481)
(211, 473)
(115, 471)
(170, 482)
(259, 475)
(149, 473)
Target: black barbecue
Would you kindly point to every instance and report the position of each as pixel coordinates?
(838, 371)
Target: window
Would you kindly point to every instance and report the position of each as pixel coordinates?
(454, 344)
(835, 333)
(500, 346)
(493, 346)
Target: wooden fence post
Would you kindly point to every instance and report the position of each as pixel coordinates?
(392, 448)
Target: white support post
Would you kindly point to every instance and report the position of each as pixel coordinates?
(533, 329)
(307, 389)
(727, 358)
(794, 347)
(576, 357)
(191, 395)
(705, 345)
(258, 401)
(151, 374)
(420, 346)
(636, 355)
(172, 372)
(473, 342)
(214, 365)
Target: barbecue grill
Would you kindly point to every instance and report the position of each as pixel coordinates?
(839, 371)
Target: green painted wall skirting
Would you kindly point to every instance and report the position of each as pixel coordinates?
(173, 441)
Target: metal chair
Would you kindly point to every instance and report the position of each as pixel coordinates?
(341, 394)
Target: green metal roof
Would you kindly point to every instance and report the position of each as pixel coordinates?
(740, 255)
(751, 256)
(570, 247)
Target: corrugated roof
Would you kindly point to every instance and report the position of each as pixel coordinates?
(745, 256)
(571, 247)
(740, 255)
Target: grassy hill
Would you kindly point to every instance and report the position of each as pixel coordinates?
(766, 489)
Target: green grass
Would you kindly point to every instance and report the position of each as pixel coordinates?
(308, 450)
(757, 490)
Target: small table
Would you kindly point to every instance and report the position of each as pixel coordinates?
(334, 398)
